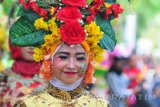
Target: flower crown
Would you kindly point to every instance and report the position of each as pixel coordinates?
(47, 23)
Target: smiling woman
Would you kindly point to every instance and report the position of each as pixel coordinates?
(69, 37)
(66, 64)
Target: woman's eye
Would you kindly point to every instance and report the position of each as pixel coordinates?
(81, 58)
(63, 57)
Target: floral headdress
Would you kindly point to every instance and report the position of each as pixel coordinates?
(45, 24)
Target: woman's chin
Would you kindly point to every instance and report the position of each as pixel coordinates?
(69, 81)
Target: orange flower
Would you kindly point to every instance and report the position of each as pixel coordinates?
(45, 70)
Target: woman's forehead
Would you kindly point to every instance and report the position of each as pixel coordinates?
(71, 48)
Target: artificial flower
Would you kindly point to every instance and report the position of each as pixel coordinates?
(45, 71)
(48, 41)
(116, 9)
(93, 30)
(53, 10)
(24, 4)
(97, 4)
(69, 13)
(108, 12)
(75, 3)
(52, 25)
(107, 5)
(38, 54)
(90, 18)
(41, 24)
(56, 35)
(72, 33)
(86, 46)
(33, 5)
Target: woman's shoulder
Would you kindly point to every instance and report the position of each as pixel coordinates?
(30, 98)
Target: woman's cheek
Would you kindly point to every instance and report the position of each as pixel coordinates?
(58, 60)
(82, 67)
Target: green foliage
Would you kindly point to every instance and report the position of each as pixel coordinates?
(108, 41)
(89, 2)
(43, 3)
(24, 33)
(110, 1)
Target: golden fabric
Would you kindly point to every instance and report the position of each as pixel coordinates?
(53, 97)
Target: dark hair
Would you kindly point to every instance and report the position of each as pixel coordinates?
(114, 68)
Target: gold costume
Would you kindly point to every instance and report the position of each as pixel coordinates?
(54, 97)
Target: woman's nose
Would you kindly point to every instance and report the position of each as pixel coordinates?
(71, 64)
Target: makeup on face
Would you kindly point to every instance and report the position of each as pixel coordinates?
(83, 67)
(70, 63)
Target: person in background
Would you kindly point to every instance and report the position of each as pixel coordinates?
(132, 71)
(22, 78)
(118, 84)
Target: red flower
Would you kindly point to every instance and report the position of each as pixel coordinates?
(42, 12)
(108, 12)
(97, 4)
(90, 18)
(116, 9)
(76, 3)
(72, 33)
(34, 6)
(25, 5)
(69, 13)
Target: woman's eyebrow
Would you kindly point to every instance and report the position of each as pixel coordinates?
(81, 53)
(67, 53)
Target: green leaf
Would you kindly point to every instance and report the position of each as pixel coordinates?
(89, 2)
(43, 3)
(21, 11)
(85, 12)
(24, 33)
(108, 41)
(110, 1)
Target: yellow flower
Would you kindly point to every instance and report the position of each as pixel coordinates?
(52, 25)
(41, 24)
(93, 38)
(94, 31)
(56, 34)
(52, 10)
(107, 5)
(38, 54)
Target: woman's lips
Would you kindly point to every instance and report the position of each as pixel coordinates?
(70, 73)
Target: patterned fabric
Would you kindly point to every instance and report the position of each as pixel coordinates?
(53, 97)
(18, 86)
(64, 95)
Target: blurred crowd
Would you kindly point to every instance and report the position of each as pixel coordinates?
(134, 82)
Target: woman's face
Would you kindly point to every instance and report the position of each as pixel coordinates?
(69, 63)
(27, 53)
